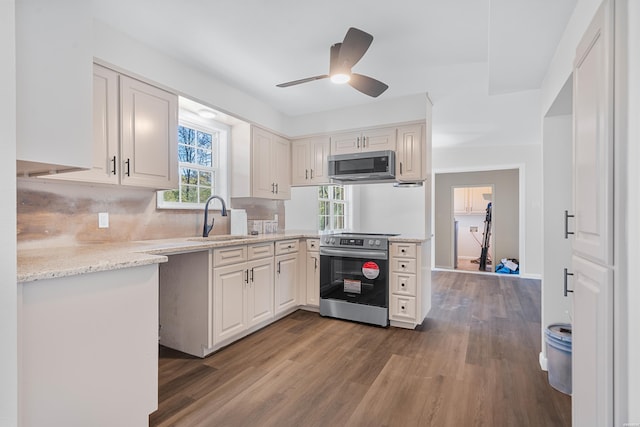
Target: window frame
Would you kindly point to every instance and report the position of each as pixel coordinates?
(347, 203)
(219, 168)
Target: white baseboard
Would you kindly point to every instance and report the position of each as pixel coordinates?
(543, 361)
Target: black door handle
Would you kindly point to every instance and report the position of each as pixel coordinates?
(566, 275)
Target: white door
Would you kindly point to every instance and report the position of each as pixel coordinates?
(592, 350)
(286, 282)
(229, 301)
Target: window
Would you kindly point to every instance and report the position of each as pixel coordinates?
(333, 207)
(201, 161)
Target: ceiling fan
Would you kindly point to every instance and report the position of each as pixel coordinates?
(342, 58)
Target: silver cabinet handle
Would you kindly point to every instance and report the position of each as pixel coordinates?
(566, 274)
(566, 224)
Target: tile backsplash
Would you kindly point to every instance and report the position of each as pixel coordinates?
(54, 213)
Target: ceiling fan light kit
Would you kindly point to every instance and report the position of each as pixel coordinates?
(343, 56)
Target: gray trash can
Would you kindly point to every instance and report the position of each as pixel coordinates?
(558, 340)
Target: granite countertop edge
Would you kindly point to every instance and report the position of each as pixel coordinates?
(55, 262)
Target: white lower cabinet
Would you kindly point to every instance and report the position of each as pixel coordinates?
(242, 292)
(286, 277)
(313, 273)
(409, 284)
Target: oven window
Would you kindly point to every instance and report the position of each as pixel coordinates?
(357, 280)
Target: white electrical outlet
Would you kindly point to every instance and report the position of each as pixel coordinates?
(103, 220)
(473, 229)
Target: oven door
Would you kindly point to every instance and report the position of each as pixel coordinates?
(354, 276)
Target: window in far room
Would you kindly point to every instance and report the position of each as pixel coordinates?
(334, 208)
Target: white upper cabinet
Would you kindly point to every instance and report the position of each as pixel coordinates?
(134, 134)
(260, 163)
(53, 85)
(367, 140)
(593, 145)
(149, 129)
(410, 153)
(309, 161)
(470, 200)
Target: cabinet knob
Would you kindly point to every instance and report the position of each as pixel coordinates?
(402, 307)
(402, 250)
(402, 285)
(403, 266)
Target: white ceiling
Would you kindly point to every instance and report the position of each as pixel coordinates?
(462, 52)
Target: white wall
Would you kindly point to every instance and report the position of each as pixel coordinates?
(301, 212)
(557, 186)
(8, 288)
(115, 48)
(526, 158)
(388, 209)
(468, 246)
(393, 110)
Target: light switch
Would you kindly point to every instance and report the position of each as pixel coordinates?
(103, 220)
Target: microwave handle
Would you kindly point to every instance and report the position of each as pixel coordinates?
(350, 253)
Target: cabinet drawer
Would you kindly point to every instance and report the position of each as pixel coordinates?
(262, 250)
(313, 245)
(403, 284)
(405, 250)
(230, 255)
(402, 308)
(286, 247)
(403, 265)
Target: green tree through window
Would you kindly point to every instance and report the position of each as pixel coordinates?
(333, 204)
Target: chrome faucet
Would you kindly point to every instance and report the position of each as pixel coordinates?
(207, 228)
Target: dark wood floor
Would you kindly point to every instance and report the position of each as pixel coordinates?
(473, 362)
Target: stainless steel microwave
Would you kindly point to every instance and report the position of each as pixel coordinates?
(366, 166)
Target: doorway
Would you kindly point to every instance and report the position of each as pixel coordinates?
(505, 226)
(472, 234)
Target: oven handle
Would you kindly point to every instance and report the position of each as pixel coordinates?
(346, 253)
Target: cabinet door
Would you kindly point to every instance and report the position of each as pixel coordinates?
(593, 142)
(229, 285)
(592, 351)
(409, 153)
(262, 183)
(281, 167)
(379, 139)
(300, 162)
(260, 291)
(345, 143)
(286, 280)
(319, 169)
(313, 279)
(477, 202)
(460, 201)
(149, 142)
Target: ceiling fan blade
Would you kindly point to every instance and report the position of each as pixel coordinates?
(354, 46)
(297, 82)
(367, 85)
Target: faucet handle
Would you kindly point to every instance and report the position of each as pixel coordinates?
(208, 228)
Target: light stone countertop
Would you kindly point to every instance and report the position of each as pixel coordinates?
(54, 262)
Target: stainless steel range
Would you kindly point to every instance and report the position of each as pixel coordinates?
(354, 277)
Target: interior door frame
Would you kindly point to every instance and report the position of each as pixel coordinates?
(521, 167)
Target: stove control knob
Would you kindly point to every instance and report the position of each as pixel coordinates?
(377, 242)
(370, 242)
(326, 240)
(333, 240)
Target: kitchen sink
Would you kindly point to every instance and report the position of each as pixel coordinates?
(219, 238)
